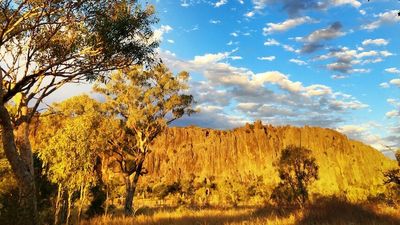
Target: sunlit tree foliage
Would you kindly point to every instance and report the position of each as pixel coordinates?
(145, 102)
(47, 43)
(297, 170)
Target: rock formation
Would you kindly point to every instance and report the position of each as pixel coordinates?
(346, 166)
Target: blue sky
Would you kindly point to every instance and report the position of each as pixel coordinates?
(329, 63)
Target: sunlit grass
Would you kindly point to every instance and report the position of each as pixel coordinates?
(325, 212)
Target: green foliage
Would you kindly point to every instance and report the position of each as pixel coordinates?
(75, 139)
(297, 170)
(144, 102)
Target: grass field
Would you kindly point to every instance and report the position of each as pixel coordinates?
(324, 212)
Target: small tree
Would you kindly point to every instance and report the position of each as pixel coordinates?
(297, 170)
(145, 103)
(393, 175)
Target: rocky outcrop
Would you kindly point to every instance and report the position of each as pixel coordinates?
(345, 165)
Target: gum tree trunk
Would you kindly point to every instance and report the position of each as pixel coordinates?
(131, 184)
(57, 211)
(69, 207)
(21, 164)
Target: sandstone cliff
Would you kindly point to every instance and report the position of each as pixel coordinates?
(346, 166)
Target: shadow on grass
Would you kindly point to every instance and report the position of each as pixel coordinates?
(327, 211)
(336, 211)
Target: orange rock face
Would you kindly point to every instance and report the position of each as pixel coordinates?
(346, 166)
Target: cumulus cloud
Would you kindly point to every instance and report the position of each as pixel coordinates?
(395, 82)
(220, 119)
(220, 3)
(393, 113)
(353, 3)
(294, 7)
(210, 58)
(384, 85)
(233, 88)
(379, 41)
(393, 70)
(346, 59)
(362, 132)
(159, 33)
(314, 39)
(286, 25)
(389, 17)
(271, 42)
(333, 31)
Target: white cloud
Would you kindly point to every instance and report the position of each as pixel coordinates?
(298, 62)
(271, 42)
(220, 3)
(338, 77)
(267, 58)
(351, 129)
(228, 86)
(234, 34)
(389, 17)
(286, 25)
(393, 113)
(353, 3)
(362, 132)
(215, 21)
(379, 41)
(249, 14)
(362, 70)
(393, 70)
(159, 33)
(236, 57)
(386, 53)
(294, 7)
(184, 3)
(171, 41)
(210, 58)
(395, 82)
(347, 58)
(248, 106)
(318, 90)
(384, 85)
(313, 40)
(329, 33)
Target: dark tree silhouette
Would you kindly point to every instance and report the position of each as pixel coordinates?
(393, 175)
(297, 170)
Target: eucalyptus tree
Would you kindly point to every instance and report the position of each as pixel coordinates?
(297, 169)
(69, 152)
(145, 102)
(47, 43)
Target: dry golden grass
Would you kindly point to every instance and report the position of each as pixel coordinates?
(325, 212)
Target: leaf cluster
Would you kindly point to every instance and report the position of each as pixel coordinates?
(297, 170)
